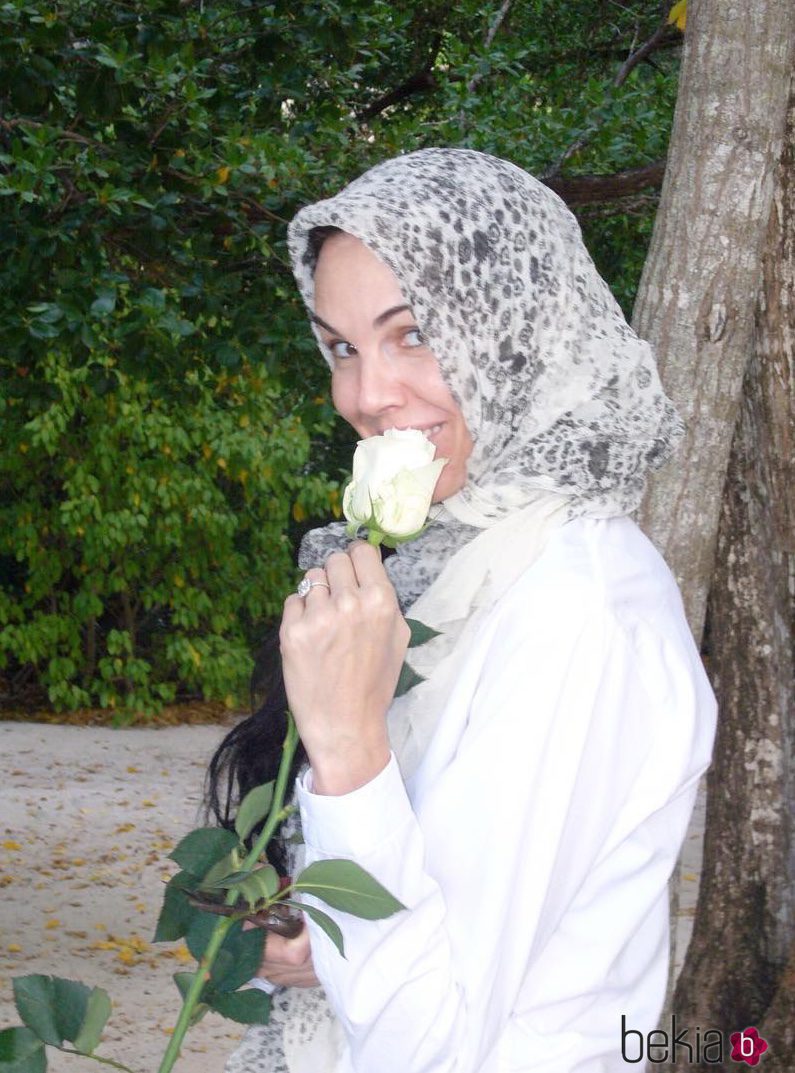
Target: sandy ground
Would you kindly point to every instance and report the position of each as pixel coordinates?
(87, 818)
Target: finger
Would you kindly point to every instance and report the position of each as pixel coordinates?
(282, 952)
(367, 564)
(320, 587)
(340, 572)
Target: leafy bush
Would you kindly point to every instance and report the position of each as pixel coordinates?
(159, 391)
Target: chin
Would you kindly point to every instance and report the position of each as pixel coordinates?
(447, 486)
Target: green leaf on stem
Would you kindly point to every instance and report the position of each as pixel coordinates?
(420, 633)
(198, 934)
(407, 680)
(222, 882)
(239, 957)
(71, 1004)
(346, 886)
(253, 808)
(222, 870)
(183, 980)
(263, 883)
(176, 913)
(249, 1007)
(323, 920)
(34, 997)
(201, 849)
(56, 1009)
(97, 1013)
(21, 1051)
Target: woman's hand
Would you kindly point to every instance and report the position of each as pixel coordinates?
(288, 962)
(342, 649)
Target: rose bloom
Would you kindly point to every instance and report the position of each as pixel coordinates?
(394, 477)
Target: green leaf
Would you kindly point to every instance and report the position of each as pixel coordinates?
(223, 880)
(201, 849)
(221, 871)
(263, 883)
(176, 913)
(34, 997)
(104, 304)
(253, 808)
(198, 934)
(21, 1051)
(71, 1004)
(240, 955)
(56, 1009)
(249, 1007)
(407, 680)
(97, 1013)
(239, 958)
(183, 980)
(323, 920)
(346, 886)
(420, 633)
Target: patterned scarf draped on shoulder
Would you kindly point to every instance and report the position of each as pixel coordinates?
(556, 389)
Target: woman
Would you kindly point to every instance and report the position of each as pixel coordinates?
(527, 801)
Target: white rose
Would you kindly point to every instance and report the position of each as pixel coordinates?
(394, 476)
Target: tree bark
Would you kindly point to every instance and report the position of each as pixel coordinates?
(699, 285)
(740, 966)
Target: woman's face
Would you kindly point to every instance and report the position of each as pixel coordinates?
(385, 375)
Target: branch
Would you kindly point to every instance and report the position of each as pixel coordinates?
(416, 84)
(588, 189)
(478, 76)
(662, 37)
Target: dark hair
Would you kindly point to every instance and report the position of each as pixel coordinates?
(317, 236)
(251, 752)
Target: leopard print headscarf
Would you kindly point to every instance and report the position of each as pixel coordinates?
(557, 391)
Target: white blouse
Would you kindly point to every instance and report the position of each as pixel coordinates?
(533, 845)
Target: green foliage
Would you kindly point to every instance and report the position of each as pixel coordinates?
(253, 808)
(159, 390)
(54, 1011)
(176, 913)
(329, 926)
(21, 1051)
(345, 885)
(198, 851)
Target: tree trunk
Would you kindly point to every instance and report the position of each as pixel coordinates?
(697, 294)
(740, 966)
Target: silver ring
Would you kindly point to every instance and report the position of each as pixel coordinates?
(305, 584)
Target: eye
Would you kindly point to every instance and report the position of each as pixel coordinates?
(341, 349)
(414, 338)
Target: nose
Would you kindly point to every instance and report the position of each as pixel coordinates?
(381, 387)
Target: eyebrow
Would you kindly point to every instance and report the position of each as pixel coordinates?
(379, 320)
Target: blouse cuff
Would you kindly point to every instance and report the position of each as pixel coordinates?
(353, 824)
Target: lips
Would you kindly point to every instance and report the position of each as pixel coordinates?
(429, 431)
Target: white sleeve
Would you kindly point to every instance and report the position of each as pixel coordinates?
(579, 731)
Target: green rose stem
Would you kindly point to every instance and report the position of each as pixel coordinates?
(277, 813)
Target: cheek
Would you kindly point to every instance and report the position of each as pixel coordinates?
(342, 397)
